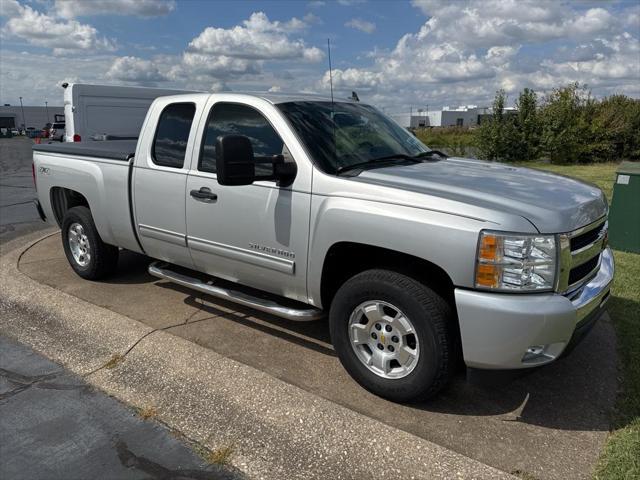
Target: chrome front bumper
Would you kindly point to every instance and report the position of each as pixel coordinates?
(508, 331)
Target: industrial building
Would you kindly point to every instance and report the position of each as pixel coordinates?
(463, 116)
(11, 116)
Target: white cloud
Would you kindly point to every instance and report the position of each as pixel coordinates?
(43, 30)
(362, 25)
(504, 22)
(217, 65)
(256, 39)
(43, 74)
(137, 70)
(466, 50)
(219, 86)
(141, 8)
(222, 55)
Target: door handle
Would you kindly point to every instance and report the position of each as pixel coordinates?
(203, 194)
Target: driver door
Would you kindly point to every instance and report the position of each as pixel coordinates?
(256, 235)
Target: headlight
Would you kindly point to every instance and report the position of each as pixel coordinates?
(516, 262)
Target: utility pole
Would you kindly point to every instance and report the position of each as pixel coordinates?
(24, 120)
(46, 106)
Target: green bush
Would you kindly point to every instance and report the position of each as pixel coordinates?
(497, 138)
(568, 126)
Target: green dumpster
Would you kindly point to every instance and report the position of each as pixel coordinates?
(624, 216)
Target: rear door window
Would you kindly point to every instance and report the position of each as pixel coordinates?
(172, 135)
(236, 119)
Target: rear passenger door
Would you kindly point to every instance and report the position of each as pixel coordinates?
(256, 235)
(159, 181)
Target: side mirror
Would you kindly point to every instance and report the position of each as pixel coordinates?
(235, 164)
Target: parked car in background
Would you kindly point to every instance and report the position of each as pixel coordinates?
(15, 132)
(56, 132)
(31, 132)
(418, 259)
(98, 110)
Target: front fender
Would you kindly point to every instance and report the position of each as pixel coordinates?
(446, 240)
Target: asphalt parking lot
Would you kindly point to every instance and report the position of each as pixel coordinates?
(17, 213)
(55, 426)
(549, 424)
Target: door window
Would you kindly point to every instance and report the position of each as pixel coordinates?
(235, 119)
(172, 134)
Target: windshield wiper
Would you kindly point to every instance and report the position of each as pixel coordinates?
(373, 161)
(431, 153)
(386, 158)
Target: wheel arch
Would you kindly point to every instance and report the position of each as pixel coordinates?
(346, 259)
(62, 199)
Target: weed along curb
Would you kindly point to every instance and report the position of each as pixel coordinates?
(263, 426)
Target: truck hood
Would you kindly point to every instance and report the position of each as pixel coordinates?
(552, 203)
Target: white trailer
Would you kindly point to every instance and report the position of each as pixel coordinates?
(92, 110)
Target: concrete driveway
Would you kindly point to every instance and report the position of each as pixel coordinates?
(549, 424)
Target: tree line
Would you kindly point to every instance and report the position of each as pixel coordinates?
(566, 126)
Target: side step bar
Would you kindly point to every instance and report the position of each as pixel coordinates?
(162, 270)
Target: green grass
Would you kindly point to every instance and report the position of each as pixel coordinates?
(620, 458)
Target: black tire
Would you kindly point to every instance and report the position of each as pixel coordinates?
(103, 259)
(431, 317)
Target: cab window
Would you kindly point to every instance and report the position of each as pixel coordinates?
(236, 119)
(172, 135)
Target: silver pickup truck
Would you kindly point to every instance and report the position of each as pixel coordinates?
(302, 207)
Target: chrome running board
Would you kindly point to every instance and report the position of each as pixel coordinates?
(162, 270)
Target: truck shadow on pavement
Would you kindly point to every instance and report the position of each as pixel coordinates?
(574, 393)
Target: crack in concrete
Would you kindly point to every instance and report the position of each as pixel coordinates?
(25, 382)
(122, 357)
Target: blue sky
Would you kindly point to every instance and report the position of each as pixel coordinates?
(395, 54)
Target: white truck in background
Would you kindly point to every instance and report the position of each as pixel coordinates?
(96, 110)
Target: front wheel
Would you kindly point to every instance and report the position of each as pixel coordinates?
(87, 254)
(393, 335)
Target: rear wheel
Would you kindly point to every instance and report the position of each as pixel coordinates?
(87, 254)
(393, 335)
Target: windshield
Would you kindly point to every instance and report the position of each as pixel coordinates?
(341, 134)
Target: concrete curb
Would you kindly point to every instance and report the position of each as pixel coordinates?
(277, 430)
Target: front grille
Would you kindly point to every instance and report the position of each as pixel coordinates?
(580, 254)
(581, 271)
(587, 238)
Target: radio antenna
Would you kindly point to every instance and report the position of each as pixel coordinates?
(330, 70)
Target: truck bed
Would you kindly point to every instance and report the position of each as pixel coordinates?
(112, 149)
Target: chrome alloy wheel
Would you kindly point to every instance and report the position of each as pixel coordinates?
(384, 339)
(79, 245)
